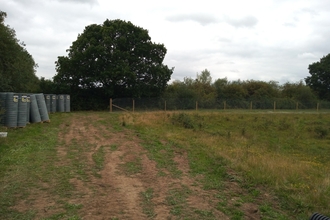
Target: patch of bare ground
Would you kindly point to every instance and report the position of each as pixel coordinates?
(115, 193)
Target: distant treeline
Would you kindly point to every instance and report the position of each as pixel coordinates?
(209, 93)
(206, 92)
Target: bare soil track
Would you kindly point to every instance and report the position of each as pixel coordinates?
(120, 191)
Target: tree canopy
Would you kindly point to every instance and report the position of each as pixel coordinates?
(17, 66)
(115, 59)
(319, 79)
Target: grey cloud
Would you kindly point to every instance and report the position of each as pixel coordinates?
(289, 24)
(92, 2)
(203, 19)
(248, 21)
(234, 71)
(224, 40)
(310, 11)
(306, 55)
(225, 62)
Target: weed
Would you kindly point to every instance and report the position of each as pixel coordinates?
(147, 204)
(132, 167)
(243, 131)
(321, 132)
(113, 147)
(284, 124)
(204, 213)
(183, 119)
(177, 198)
(268, 212)
(98, 158)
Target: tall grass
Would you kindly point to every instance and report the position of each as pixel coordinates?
(286, 152)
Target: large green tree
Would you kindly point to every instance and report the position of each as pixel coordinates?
(319, 79)
(17, 67)
(116, 59)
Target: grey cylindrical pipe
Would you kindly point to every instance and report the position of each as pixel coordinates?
(3, 96)
(28, 107)
(48, 102)
(53, 103)
(67, 103)
(42, 107)
(34, 111)
(11, 110)
(60, 103)
(21, 114)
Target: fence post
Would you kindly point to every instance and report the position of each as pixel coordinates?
(196, 105)
(274, 106)
(224, 105)
(165, 105)
(133, 105)
(110, 104)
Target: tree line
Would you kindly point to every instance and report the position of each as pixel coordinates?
(117, 59)
(209, 93)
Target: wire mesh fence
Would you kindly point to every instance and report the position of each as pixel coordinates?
(157, 104)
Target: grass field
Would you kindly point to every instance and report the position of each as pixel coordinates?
(274, 164)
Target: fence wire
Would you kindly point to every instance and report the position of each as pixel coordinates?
(156, 104)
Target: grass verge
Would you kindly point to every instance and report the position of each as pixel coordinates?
(283, 153)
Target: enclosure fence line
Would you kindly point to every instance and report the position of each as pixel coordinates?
(151, 104)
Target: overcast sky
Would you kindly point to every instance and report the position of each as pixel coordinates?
(238, 39)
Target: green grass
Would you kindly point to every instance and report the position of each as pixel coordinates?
(285, 152)
(27, 158)
(30, 165)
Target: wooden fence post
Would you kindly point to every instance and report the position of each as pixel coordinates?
(110, 104)
(133, 105)
(274, 106)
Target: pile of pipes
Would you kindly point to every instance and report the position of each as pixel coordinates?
(19, 109)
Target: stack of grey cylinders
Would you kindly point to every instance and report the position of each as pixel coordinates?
(20, 109)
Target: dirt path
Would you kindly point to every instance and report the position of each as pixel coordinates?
(121, 190)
